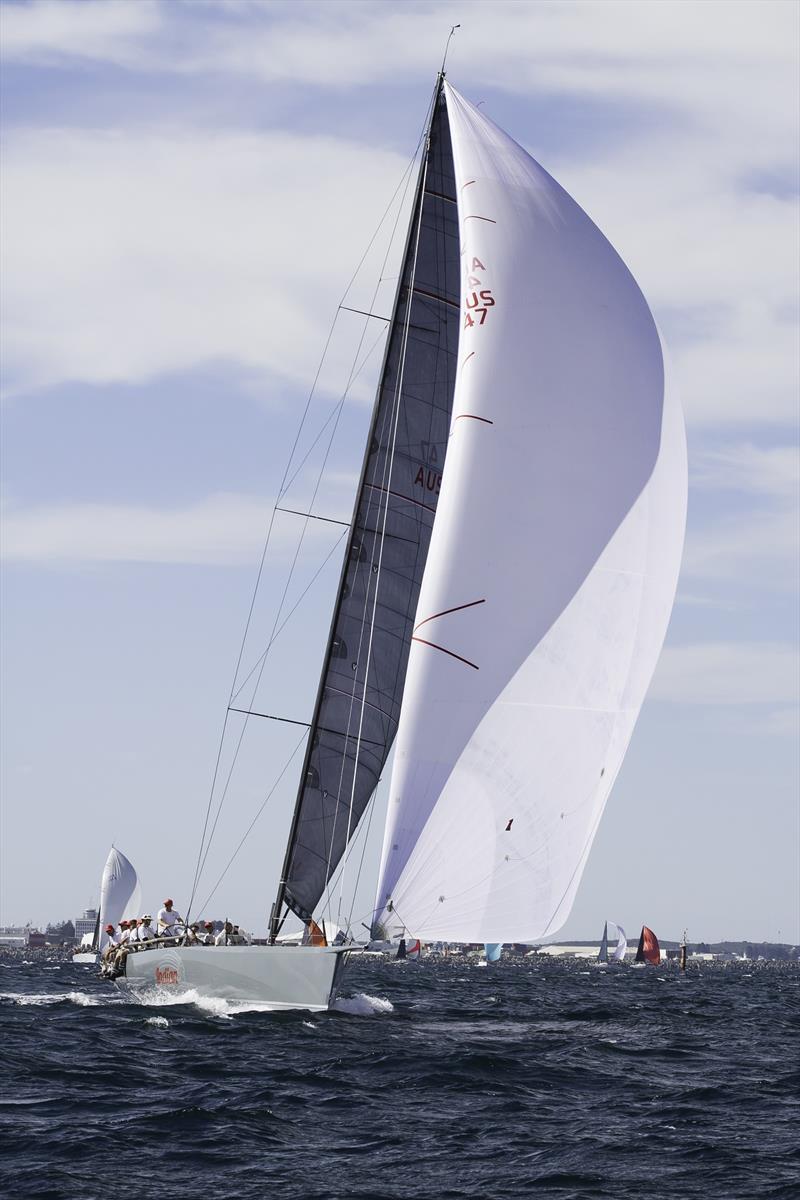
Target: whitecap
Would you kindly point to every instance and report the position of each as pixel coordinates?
(362, 1005)
(159, 1022)
(214, 1006)
(38, 998)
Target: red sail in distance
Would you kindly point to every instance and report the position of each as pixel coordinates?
(648, 949)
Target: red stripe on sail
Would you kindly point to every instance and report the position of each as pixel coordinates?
(450, 652)
(445, 612)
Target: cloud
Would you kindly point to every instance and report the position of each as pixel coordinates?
(132, 254)
(765, 471)
(224, 529)
(729, 673)
(129, 255)
(753, 539)
(759, 546)
(51, 31)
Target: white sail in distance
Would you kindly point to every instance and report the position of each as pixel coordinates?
(621, 946)
(120, 893)
(552, 566)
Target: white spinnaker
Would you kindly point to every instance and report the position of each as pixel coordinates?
(621, 946)
(552, 567)
(120, 893)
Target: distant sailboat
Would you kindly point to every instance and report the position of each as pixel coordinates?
(648, 950)
(621, 946)
(493, 950)
(410, 951)
(602, 957)
(120, 899)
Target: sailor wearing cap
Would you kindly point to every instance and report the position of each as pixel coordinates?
(124, 932)
(170, 922)
(112, 941)
(146, 931)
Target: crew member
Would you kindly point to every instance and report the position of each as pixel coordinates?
(169, 921)
(112, 943)
(223, 938)
(145, 932)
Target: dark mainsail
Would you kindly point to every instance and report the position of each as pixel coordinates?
(366, 658)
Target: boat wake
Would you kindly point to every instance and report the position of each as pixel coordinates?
(362, 1005)
(213, 1006)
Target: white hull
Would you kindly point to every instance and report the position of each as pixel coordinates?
(85, 958)
(276, 976)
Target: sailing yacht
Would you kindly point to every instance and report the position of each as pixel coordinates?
(509, 573)
(120, 899)
(602, 954)
(648, 951)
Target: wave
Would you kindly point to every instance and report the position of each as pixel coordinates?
(82, 999)
(362, 1005)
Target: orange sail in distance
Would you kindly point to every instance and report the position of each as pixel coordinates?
(648, 949)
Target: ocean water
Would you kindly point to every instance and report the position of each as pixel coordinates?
(429, 1081)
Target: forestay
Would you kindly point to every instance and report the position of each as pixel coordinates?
(358, 706)
(552, 565)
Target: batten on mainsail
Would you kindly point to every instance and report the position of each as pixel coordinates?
(552, 566)
(358, 704)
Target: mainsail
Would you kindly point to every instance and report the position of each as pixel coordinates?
(120, 893)
(358, 704)
(603, 953)
(648, 949)
(552, 566)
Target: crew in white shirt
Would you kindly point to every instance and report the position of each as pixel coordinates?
(110, 948)
(223, 938)
(145, 932)
(170, 922)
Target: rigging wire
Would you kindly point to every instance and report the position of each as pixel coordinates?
(287, 585)
(402, 186)
(247, 832)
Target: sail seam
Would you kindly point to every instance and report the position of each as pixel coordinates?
(390, 492)
(440, 196)
(418, 291)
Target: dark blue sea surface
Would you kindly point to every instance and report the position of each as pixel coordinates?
(429, 1081)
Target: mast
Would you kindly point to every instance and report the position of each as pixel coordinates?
(376, 495)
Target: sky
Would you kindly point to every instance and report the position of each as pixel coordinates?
(187, 189)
